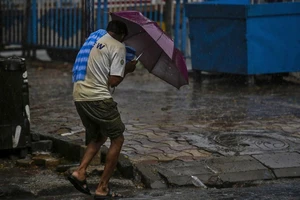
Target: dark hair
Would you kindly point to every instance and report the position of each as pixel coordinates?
(117, 27)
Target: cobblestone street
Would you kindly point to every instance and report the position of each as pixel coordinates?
(212, 118)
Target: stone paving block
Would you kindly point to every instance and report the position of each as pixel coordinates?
(182, 147)
(129, 127)
(66, 148)
(185, 158)
(251, 175)
(287, 172)
(178, 155)
(166, 150)
(145, 150)
(65, 167)
(45, 160)
(178, 173)
(191, 127)
(129, 142)
(173, 128)
(144, 141)
(127, 147)
(42, 145)
(52, 162)
(143, 158)
(128, 153)
(157, 139)
(197, 153)
(148, 151)
(160, 133)
(149, 134)
(179, 180)
(234, 163)
(183, 168)
(187, 180)
(214, 171)
(162, 157)
(171, 143)
(184, 143)
(285, 164)
(140, 125)
(239, 168)
(150, 178)
(24, 162)
(157, 145)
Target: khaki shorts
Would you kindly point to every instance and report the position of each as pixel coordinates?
(100, 119)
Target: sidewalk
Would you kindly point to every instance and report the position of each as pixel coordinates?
(221, 130)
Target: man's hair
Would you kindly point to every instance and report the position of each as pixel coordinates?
(117, 27)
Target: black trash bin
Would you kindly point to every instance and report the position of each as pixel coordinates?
(14, 105)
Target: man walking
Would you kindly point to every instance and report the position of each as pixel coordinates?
(98, 111)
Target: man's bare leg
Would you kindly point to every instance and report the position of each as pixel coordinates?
(91, 150)
(110, 164)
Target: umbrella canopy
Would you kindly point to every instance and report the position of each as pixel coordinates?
(159, 57)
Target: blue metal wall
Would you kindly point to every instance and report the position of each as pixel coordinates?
(245, 39)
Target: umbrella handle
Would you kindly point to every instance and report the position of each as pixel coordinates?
(139, 56)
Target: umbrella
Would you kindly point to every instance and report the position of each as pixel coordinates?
(159, 56)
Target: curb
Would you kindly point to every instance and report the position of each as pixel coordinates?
(66, 148)
(71, 151)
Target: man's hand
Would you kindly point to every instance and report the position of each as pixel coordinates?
(130, 66)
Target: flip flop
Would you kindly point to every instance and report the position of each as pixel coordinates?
(79, 185)
(110, 195)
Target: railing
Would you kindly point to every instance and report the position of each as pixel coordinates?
(61, 24)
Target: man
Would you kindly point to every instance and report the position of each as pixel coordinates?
(105, 69)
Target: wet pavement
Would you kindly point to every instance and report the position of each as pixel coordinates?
(34, 182)
(216, 119)
(218, 128)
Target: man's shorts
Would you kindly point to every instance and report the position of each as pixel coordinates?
(100, 118)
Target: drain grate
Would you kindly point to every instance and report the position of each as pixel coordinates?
(238, 142)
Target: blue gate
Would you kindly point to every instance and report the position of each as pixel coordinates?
(61, 24)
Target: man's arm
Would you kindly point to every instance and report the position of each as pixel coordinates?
(114, 81)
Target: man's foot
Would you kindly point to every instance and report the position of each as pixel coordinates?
(109, 195)
(81, 186)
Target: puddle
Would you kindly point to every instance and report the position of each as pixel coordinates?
(241, 143)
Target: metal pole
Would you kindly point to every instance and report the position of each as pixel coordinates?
(89, 13)
(177, 23)
(34, 27)
(25, 28)
(105, 14)
(184, 29)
